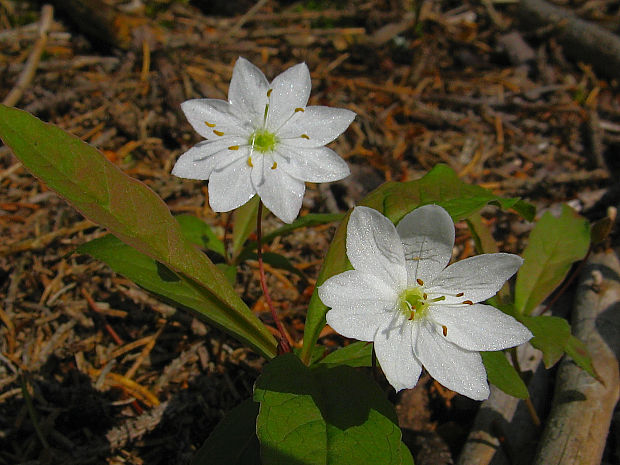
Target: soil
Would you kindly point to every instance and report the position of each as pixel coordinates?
(93, 369)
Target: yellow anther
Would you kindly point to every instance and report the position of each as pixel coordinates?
(274, 166)
(460, 294)
(218, 133)
(250, 162)
(305, 136)
(425, 296)
(468, 302)
(233, 147)
(444, 329)
(420, 282)
(299, 109)
(211, 125)
(412, 315)
(269, 92)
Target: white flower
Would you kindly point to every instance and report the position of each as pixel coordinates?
(417, 312)
(264, 140)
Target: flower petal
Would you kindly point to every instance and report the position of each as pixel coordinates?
(480, 327)
(312, 165)
(427, 234)
(248, 92)
(320, 125)
(281, 193)
(457, 369)
(199, 161)
(230, 185)
(359, 303)
(208, 115)
(290, 90)
(478, 278)
(393, 346)
(373, 247)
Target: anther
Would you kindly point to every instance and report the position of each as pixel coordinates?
(269, 92)
(412, 315)
(420, 282)
(460, 294)
(305, 136)
(468, 302)
(444, 330)
(299, 109)
(233, 147)
(211, 125)
(274, 166)
(218, 133)
(425, 296)
(250, 162)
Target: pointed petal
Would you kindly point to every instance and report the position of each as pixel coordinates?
(393, 346)
(248, 92)
(311, 165)
(373, 247)
(457, 369)
(290, 90)
(207, 115)
(320, 124)
(480, 327)
(427, 234)
(478, 278)
(359, 304)
(230, 185)
(199, 161)
(280, 193)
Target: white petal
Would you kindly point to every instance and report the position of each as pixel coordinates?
(393, 346)
(359, 304)
(373, 247)
(199, 161)
(280, 193)
(230, 185)
(217, 114)
(457, 369)
(320, 124)
(312, 165)
(290, 90)
(248, 92)
(427, 234)
(478, 278)
(480, 327)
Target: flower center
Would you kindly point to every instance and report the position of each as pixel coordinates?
(263, 141)
(413, 302)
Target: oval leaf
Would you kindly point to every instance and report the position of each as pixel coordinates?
(503, 375)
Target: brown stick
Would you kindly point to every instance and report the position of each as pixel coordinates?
(582, 407)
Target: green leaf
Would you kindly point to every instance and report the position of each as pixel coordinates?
(439, 186)
(503, 375)
(245, 224)
(230, 271)
(551, 336)
(357, 354)
(578, 351)
(233, 441)
(131, 211)
(324, 416)
(200, 233)
(553, 246)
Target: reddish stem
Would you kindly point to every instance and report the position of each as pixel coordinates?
(283, 344)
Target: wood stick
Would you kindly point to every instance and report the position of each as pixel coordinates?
(579, 421)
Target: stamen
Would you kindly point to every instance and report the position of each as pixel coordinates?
(425, 296)
(468, 302)
(266, 112)
(211, 125)
(250, 162)
(233, 147)
(444, 329)
(438, 299)
(218, 133)
(274, 166)
(420, 282)
(460, 294)
(299, 109)
(305, 136)
(412, 316)
(269, 92)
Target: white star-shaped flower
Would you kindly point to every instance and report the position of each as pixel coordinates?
(264, 140)
(417, 310)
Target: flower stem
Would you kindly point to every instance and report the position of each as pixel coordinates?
(283, 344)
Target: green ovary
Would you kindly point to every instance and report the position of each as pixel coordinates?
(413, 302)
(263, 141)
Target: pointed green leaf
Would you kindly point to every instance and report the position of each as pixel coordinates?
(324, 416)
(439, 186)
(233, 441)
(130, 210)
(357, 354)
(554, 245)
(200, 233)
(578, 351)
(245, 224)
(551, 335)
(503, 375)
